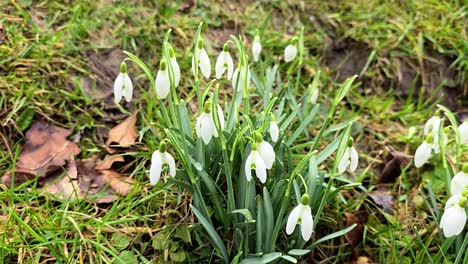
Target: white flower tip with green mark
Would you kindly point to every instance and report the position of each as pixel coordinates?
(301, 213)
(290, 52)
(255, 161)
(349, 159)
(158, 159)
(162, 81)
(205, 126)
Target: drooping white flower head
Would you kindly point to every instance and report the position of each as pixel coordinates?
(162, 82)
(349, 159)
(290, 51)
(205, 126)
(255, 161)
(459, 182)
(432, 125)
(203, 60)
(274, 130)
(256, 48)
(224, 62)
(423, 152)
(314, 95)
(123, 85)
(158, 159)
(174, 65)
(436, 144)
(301, 214)
(463, 129)
(454, 218)
(266, 150)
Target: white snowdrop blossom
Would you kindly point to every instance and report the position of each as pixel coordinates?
(432, 125)
(223, 63)
(256, 48)
(301, 214)
(162, 82)
(423, 152)
(290, 52)
(267, 152)
(175, 66)
(349, 159)
(274, 130)
(203, 60)
(158, 159)
(459, 182)
(255, 161)
(314, 96)
(454, 218)
(463, 130)
(205, 126)
(123, 85)
(436, 144)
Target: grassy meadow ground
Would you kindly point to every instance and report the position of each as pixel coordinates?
(58, 60)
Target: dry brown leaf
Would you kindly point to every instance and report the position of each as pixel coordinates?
(393, 164)
(101, 186)
(47, 149)
(384, 199)
(2, 33)
(108, 161)
(125, 133)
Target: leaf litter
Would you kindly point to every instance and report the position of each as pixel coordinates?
(49, 156)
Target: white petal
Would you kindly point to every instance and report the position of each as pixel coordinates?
(268, 154)
(204, 63)
(169, 160)
(354, 158)
(428, 125)
(128, 87)
(256, 50)
(292, 219)
(206, 128)
(307, 224)
(230, 65)
(452, 201)
(156, 167)
(274, 131)
(454, 221)
(118, 85)
(176, 69)
(435, 143)
(463, 129)
(163, 84)
(290, 53)
(344, 162)
(219, 67)
(422, 155)
(234, 80)
(459, 183)
(314, 96)
(221, 117)
(248, 167)
(260, 169)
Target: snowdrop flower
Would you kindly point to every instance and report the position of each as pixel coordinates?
(463, 129)
(224, 62)
(123, 85)
(350, 158)
(301, 214)
(162, 82)
(266, 150)
(255, 161)
(459, 182)
(435, 143)
(454, 218)
(423, 152)
(175, 66)
(314, 95)
(205, 126)
(433, 124)
(256, 48)
(290, 51)
(203, 60)
(274, 130)
(158, 159)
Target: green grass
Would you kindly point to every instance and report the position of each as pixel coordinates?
(44, 56)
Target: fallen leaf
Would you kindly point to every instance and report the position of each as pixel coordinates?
(47, 149)
(108, 161)
(2, 33)
(124, 134)
(393, 164)
(100, 186)
(359, 218)
(384, 199)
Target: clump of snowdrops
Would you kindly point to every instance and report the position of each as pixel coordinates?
(252, 169)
